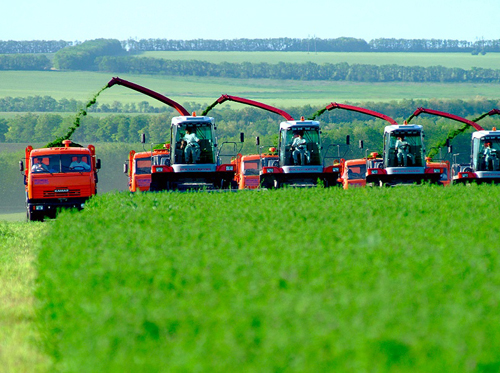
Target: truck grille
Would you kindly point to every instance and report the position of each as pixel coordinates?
(62, 193)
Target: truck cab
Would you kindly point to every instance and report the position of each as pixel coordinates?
(58, 177)
(249, 167)
(138, 169)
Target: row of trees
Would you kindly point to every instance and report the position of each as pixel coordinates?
(343, 44)
(316, 44)
(83, 56)
(25, 62)
(397, 109)
(34, 128)
(32, 46)
(297, 71)
(49, 104)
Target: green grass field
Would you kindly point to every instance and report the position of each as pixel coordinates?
(282, 93)
(462, 60)
(20, 349)
(364, 280)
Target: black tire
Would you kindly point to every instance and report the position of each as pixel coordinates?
(34, 216)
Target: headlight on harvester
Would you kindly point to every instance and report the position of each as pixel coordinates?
(159, 169)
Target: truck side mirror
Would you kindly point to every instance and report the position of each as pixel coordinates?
(242, 137)
(143, 138)
(125, 168)
(361, 144)
(21, 166)
(98, 164)
(348, 140)
(257, 141)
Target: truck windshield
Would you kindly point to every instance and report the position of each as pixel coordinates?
(357, 171)
(486, 152)
(404, 149)
(300, 146)
(143, 166)
(251, 167)
(60, 163)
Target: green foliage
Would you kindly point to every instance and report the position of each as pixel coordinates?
(296, 280)
(82, 56)
(24, 62)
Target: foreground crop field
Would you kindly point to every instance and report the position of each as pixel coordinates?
(363, 280)
(82, 86)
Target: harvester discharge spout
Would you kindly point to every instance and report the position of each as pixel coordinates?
(136, 87)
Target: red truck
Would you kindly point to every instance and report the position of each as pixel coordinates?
(58, 177)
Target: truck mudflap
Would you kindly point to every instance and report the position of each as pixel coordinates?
(38, 209)
(402, 179)
(185, 181)
(299, 180)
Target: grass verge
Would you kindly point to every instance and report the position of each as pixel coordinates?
(19, 339)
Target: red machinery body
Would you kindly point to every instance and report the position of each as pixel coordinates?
(53, 180)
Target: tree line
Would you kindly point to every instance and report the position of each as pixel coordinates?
(297, 71)
(343, 44)
(336, 124)
(49, 104)
(108, 55)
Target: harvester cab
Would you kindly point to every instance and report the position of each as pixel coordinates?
(299, 151)
(193, 163)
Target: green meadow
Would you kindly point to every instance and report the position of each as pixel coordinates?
(82, 86)
(363, 280)
(461, 60)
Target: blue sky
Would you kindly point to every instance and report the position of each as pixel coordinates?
(220, 19)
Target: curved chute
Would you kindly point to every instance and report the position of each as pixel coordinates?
(335, 105)
(468, 123)
(241, 100)
(421, 110)
(136, 87)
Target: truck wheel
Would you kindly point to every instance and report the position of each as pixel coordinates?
(34, 216)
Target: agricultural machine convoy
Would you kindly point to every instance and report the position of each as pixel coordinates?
(484, 164)
(300, 162)
(194, 161)
(58, 177)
